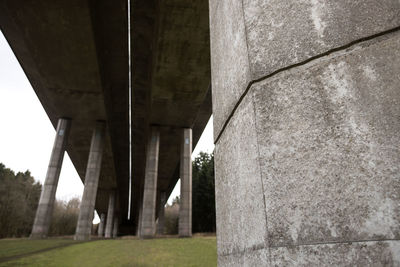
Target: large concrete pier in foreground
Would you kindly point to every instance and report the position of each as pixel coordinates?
(306, 124)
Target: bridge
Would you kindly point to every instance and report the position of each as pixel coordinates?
(306, 118)
(75, 54)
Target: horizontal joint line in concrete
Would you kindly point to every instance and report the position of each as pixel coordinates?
(261, 246)
(327, 53)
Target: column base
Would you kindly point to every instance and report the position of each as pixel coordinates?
(38, 236)
(82, 237)
(147, 234)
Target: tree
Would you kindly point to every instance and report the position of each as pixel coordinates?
(171, 217)
(65, 217)
(203, 193)
(19, 197)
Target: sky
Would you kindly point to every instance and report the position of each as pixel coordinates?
(27, 135)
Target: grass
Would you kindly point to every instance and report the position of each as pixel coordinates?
(13, 247)
(198, 251)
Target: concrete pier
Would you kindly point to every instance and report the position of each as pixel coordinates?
(139, 219)
(100, 232)
(44, 211)
(306, 126)
(185, 207)
(110, 215)
(115, 228)
(86, 212)
(147, 227)
(160, 224)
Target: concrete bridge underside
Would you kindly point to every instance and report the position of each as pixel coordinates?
(75, 54)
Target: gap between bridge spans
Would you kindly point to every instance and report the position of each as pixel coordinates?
(325, 54)
(130, 108)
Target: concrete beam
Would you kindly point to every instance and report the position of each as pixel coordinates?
(185, 207)
(160, 224)
(44, 212)
(110, 215)
(147, 229)
(101, 225)
(86, 212)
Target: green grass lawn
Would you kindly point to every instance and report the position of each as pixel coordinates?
(198, 251)
(13, 247)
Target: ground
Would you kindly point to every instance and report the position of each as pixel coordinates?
(197, 251)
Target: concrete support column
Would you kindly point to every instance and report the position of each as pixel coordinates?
(185, 207)
(44, 211)
(110, 215)
(160, 225)
(306, 124)
(139, 219)
(115, 228)
(86, 211)
(101, 225)
(148, 229)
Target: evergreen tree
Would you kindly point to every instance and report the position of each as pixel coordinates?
(203, 193)
(19, 197)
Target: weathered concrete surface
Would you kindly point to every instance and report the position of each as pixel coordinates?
(161, 210)
(100, 232)
(253, 38)
(328, 136)
(371, 253)
(110, 215)
(44, 212)
(240, 209)
(148, 225)
(86, 209)
(185, 205)
(277, 41)
(229, 59)
(257, 257)
(309, 159)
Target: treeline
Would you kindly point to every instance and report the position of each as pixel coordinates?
(203, 198)
(65, 217)
(172, 217)
(20, 193)
(19, 198)
(203, 194)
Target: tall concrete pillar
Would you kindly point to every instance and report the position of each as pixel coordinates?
(86, 210)
(139, 219)
(101, 225)
(160, 225)
(44, 211)
(115, 228)
(185, 207)
(147, 227)
(110, 215)
(306, 127)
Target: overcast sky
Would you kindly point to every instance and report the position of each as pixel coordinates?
(26, 133)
